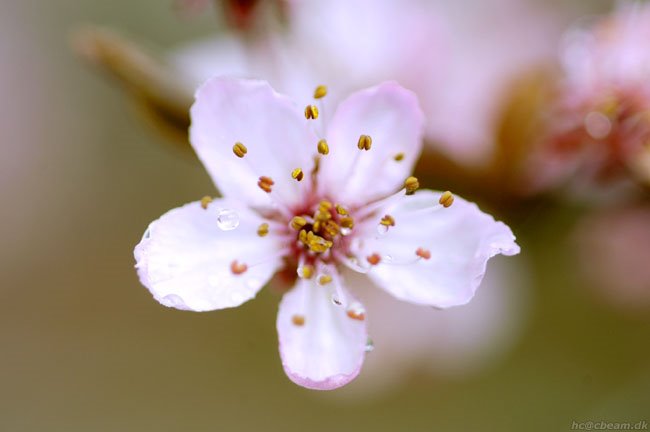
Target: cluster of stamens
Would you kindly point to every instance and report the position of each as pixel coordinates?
(317, 233)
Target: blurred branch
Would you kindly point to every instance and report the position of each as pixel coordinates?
(152, 83)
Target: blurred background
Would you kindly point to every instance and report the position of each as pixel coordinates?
(556, 335)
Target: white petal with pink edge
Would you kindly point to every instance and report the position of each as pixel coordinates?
(271, 127)
(390, 115)
(321, 346)
(186, 257)
(433, 255)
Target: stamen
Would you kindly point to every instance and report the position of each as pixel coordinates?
(341, 210)
(205, 201)
(297, 174)
(356, 311)
(302, 236)
(305, 271)
(423, 253)
(331, 228)
(239, 149)
(411, 184)
(311, 112)
(399, 157)
(298, 222)
(323, 148)
(446, 199)
(365, 142)
(265, 183)
(317, 243)
(321, 91)
(324, 205)
(324, 279)
(263, 230)
(388, 221)
(374, 259)
(238, 268)
(347, 222)
(298, 320)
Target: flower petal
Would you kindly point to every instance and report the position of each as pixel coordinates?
(391, 116)
(269, 125)
(459, 241)
(326, 349)
(185, 257)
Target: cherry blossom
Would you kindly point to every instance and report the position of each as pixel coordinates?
(310, 192)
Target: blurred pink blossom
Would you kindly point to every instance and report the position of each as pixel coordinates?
(425, 248)
(459, 57)
(599, 129)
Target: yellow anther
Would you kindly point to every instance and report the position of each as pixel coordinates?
(298, 320)
(388, 221)
(411, 184)
(302, 236)
(239, 149)
(297, 174)
(423, 253)
(311, 112)
(317, 243)
(365, 142)
(324, 279)
(398, 157)
(356, 315)
(446, 199)
(298, 222)
(306, 271)
(324, 205)
(238, 268)
(341, 210)
(331, 228)
(374, 259)
(323, 148)
(263, 230)
(347, 222)
(265, 183)
(205, 201)
(320, 92)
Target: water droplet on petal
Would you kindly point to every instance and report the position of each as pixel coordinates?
(370, 345)
(253, 283)
(237, 297)
(356, 311)
(387, 258)
(173, 300)
(146, 234)
(227, 219)
(336, 300)
(382, 229)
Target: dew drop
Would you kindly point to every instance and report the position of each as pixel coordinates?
(356, 311)
(336, 300)
(370, 345)
(237, 297)
(227, 219)
(382, 229)
(146, 234)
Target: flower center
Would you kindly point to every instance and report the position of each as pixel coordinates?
(320, 233)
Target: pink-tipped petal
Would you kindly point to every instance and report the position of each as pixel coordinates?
(434, 255)
(390, 115)
(271, 127)
(186, 257)
(321, 346)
